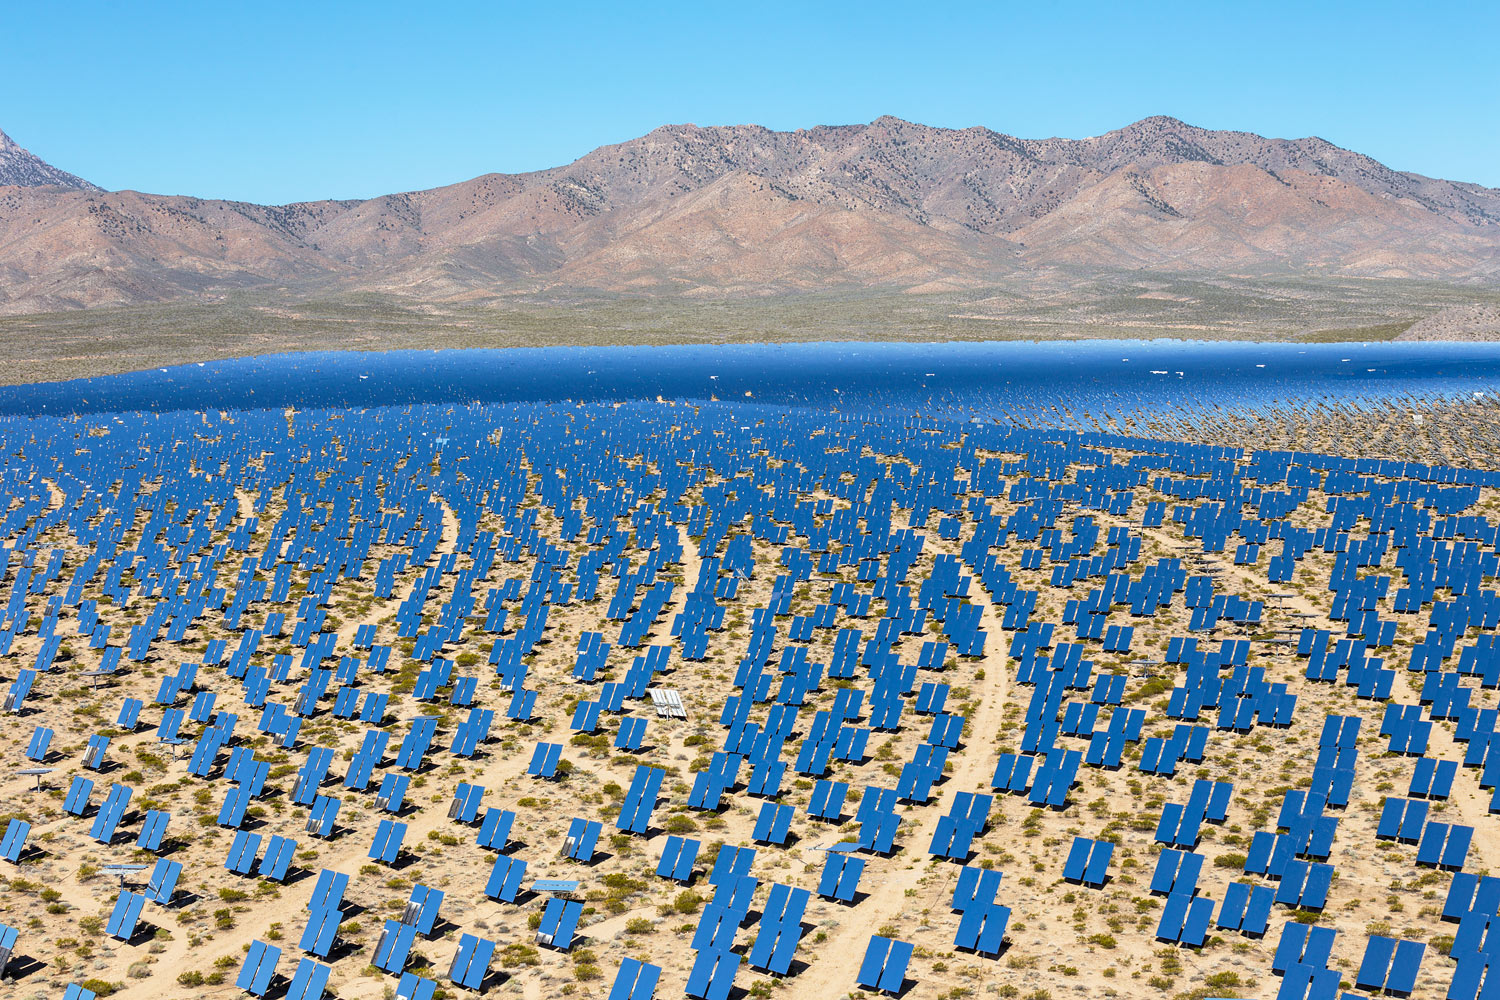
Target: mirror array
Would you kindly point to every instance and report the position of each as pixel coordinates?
(670, 698)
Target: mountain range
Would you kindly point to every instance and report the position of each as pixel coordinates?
(739, 211)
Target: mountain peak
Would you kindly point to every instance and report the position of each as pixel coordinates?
(1157, 122)
(23, 169)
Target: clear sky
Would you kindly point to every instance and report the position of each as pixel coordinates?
(276, 102)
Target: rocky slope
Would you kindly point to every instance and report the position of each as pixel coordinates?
(20, 168)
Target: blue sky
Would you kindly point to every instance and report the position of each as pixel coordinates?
(275, 102)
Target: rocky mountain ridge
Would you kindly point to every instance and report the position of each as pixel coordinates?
(744, 210)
